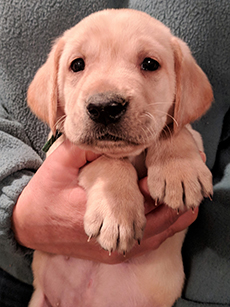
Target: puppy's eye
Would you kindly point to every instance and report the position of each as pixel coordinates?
(150, 64)
(77, 65)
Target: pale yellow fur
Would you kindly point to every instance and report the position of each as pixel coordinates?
(113, 44)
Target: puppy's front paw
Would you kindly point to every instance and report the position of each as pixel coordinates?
(117, 221)
(180, 183)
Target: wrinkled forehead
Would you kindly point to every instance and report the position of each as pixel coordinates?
(121, 31)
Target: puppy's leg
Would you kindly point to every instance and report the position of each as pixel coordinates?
(38, 299)
(115, 206)
(177, 174)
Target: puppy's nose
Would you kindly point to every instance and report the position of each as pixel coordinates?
(106, 108)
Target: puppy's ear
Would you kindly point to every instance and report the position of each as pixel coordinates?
(42, 96)
(193, 91)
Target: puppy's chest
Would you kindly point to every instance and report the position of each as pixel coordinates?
(139, 163)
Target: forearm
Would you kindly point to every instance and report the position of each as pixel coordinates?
(18, 163)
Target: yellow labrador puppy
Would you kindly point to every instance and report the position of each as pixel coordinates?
(120, 84)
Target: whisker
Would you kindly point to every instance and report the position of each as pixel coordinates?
(60, 121)
(152, 132)
(165, 113)
(148, 114)
(152, 117)
(149, 132)
(150, 129)
(157, 103)
(168, 130)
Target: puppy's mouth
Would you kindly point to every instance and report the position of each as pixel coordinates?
(107, 137)
(109, 140)
(111, 144)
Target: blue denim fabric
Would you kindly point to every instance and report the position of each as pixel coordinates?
(13, 292)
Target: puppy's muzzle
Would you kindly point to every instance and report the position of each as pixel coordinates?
(106, 108)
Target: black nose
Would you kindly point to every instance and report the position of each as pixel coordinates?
(106, 108)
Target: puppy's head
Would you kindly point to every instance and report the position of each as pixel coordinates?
(114, 81)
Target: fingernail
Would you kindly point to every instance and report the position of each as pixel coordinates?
(210, 196)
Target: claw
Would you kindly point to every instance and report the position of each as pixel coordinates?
(124, 253)
(110, 252)
(139, 242)
(156, 202)
(178, 211)
(89, 238)
(193, 210)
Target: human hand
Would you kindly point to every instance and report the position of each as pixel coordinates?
(49, 213)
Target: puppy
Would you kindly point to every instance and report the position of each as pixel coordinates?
(120, 84)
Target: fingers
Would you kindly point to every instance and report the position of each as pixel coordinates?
(203, 156)
(149, 202)
(160, 219)
(180, 224)
(91, 156)
(152, 241)
(184, 221)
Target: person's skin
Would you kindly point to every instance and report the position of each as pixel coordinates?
(49, 213)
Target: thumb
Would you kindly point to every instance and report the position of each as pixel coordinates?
(69, 155)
